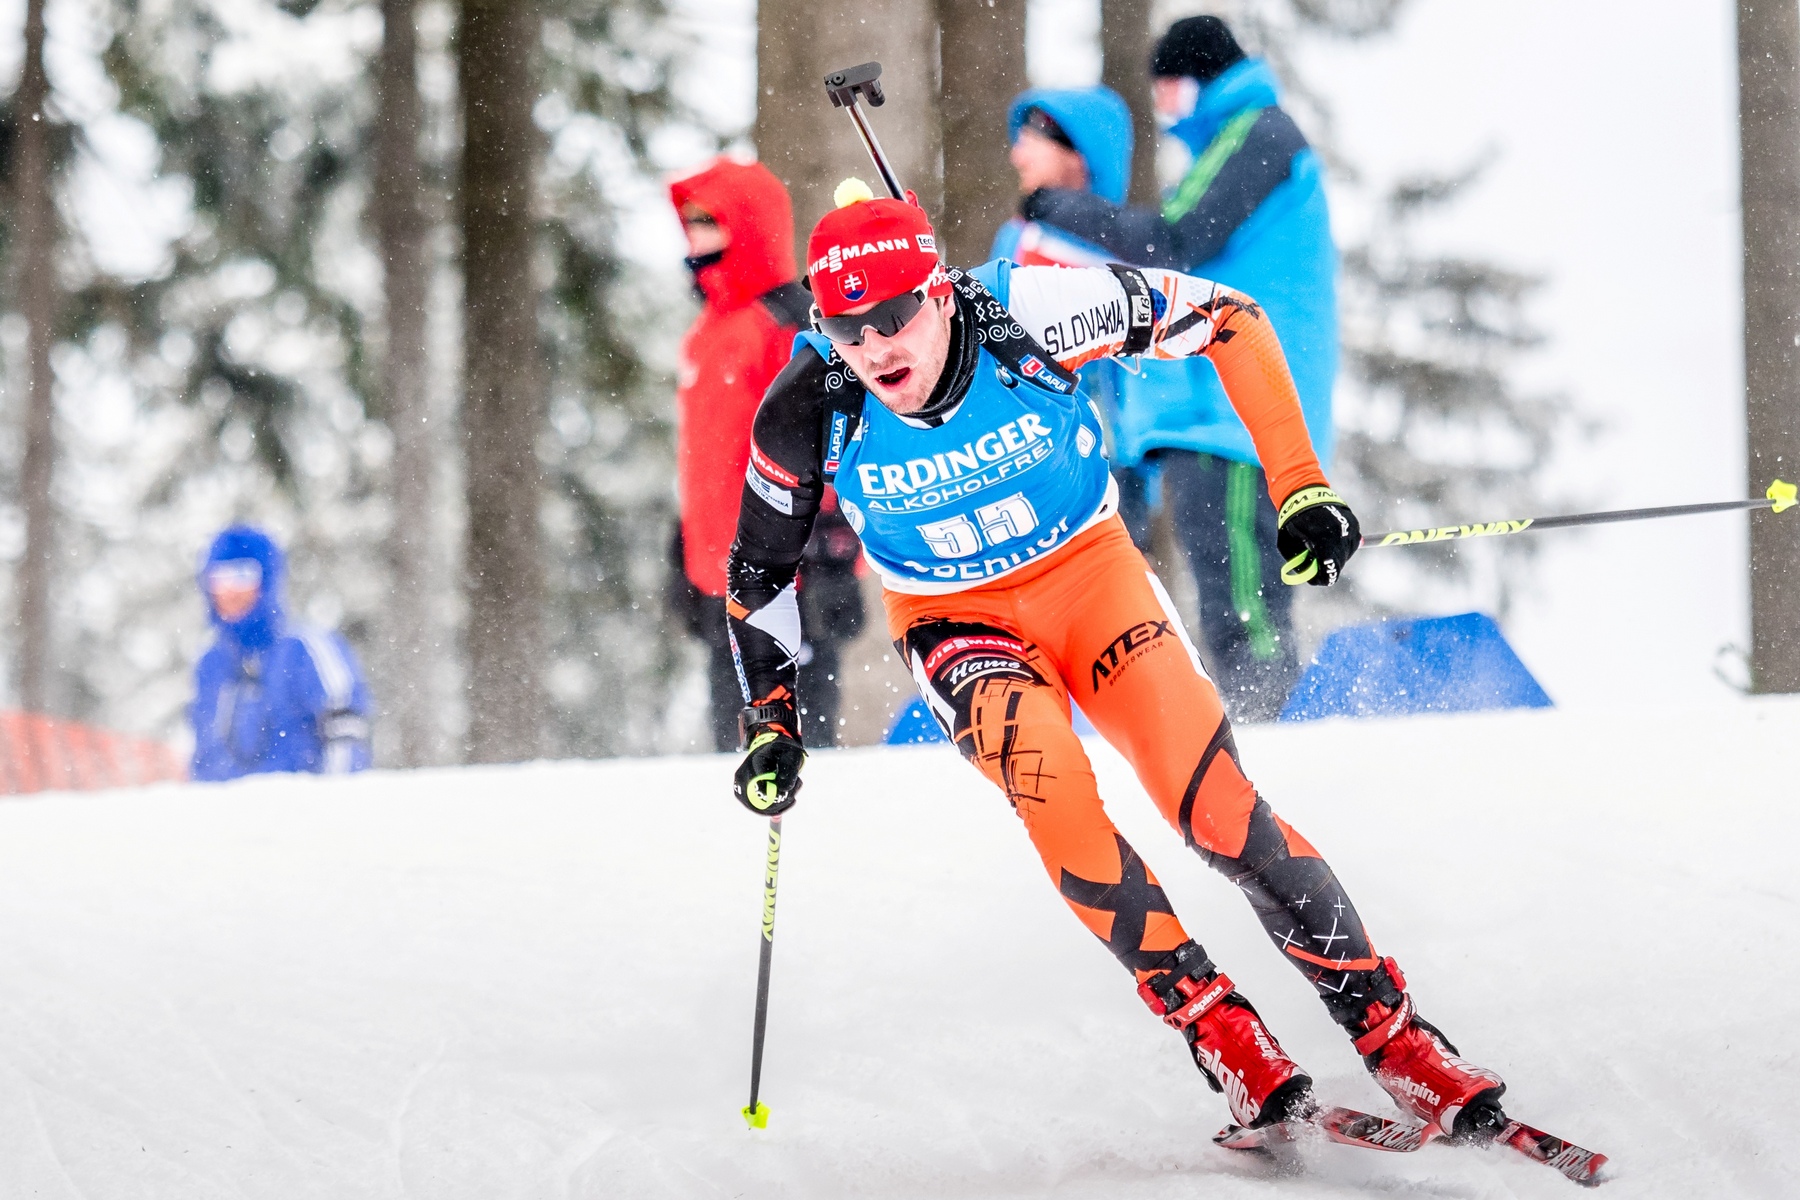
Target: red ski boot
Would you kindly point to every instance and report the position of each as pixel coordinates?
(1419, 1068)
(1231, 1046)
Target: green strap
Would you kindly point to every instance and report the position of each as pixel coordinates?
(1299, 569)
(1227, 142)
(762, 792)
(1242, 493)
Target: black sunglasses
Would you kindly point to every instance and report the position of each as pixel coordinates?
(887, 318)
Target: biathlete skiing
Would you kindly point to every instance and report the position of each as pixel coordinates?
(944, 408)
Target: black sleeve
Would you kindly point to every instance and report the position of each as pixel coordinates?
(782, 490)
(1135, 235)
(1142, 236)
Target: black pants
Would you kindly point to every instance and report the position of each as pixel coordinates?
(1225, 525)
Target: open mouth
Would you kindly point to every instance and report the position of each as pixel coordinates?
(895, 378)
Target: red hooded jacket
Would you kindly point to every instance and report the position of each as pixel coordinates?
(730, 355)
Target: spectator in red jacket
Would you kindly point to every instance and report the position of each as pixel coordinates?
(739, 225)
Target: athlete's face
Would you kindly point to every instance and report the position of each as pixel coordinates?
(900, 371)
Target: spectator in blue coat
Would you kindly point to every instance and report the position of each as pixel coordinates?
(1069, 138)
(269, 696)
(1250, 213)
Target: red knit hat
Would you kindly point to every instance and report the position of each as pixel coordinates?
(868, 251)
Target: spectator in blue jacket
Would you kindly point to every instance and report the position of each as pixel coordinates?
(1081, 139)
(269, 696)
(1250, 213)
(1069, 138)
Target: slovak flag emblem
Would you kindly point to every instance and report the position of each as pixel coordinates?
(854, 285)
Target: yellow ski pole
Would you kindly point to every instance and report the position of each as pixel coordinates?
(756, 1114)
(1780, 497)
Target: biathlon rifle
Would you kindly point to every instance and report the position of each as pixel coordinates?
(844, 87)
(1780, 497)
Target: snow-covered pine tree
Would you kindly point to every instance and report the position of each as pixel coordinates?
(610, 330)
(234, 375)
(247, 349)
(148, 367)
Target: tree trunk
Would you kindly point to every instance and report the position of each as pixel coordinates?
(1125, 45)
(403, 232)
(503, 402)
(982, 63)
(811, 145)
(35, 286)
(1769, 142)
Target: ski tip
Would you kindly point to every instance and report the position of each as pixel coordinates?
(1783, 496)
(1594, 1173)
(755, 1118)
(1583, 1167)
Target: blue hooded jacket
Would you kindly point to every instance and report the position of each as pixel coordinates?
(1250, 214)
(271, 698)
(1098, 121)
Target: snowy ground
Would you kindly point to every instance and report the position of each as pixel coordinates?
(537, 982)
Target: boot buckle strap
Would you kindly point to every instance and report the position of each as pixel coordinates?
(1192, 999)
(1387, 1030)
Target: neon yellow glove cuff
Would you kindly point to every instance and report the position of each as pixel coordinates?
(1306, 497)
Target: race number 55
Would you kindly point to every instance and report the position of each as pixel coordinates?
(958, 537)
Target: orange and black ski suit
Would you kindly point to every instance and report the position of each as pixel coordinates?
(1000, 662)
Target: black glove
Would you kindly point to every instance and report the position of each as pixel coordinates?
(768, 780)
(1317, 535)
